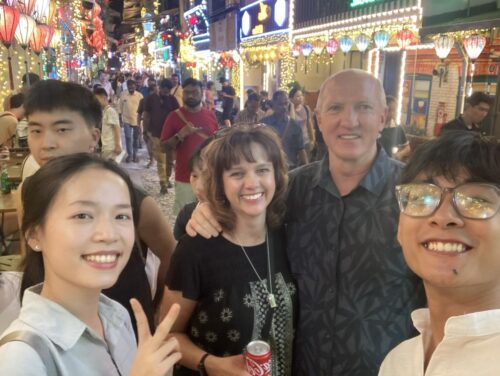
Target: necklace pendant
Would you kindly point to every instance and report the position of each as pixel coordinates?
(271, 300)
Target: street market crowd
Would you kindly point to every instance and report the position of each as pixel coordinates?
(298, 226)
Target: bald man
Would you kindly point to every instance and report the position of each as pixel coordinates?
(355, 291)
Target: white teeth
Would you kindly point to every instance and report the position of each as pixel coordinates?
(446, 247)
(101, 259)
(252, 197)
(349, 137)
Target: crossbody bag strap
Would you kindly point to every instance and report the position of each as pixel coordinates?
(186, 122)
(36, 342)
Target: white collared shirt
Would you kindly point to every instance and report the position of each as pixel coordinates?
(470, 346)
(76, 348)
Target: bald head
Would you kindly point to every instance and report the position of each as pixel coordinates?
(344, 77)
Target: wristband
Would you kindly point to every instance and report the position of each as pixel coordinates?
(201, 365)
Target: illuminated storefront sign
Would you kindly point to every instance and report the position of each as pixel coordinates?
(263, 18)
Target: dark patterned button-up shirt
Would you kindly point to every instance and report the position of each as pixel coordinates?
(355, 291)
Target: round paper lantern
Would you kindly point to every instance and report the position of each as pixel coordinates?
(381, 39)
(474, 45)
(9, 19)
(362, 41)
(296, 50)
(318, 46)
(443, 45)
(404, 38)
(25, 29)
(345, 44)
(40, 11)
(307, 49)
(332, 46)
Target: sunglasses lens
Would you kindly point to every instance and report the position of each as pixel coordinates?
(418, 200)
(477, 201)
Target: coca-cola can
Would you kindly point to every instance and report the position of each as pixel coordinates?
(258, 358)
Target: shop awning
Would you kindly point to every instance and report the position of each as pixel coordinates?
(480, 21)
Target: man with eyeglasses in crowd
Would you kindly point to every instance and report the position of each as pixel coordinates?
(475, 110)
(449, 231)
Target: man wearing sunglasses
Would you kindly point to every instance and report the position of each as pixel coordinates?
(449, 229)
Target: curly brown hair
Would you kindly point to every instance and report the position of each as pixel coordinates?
(226, 151)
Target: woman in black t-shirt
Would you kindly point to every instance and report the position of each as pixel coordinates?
(237, 287)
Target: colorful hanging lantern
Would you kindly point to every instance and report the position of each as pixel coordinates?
(25, 29)
(345, 44)
(9, 19)
(307, 49)
(332, 46)
(51, 11)
(443, 45)
(296, 50)
(474, 45)
(318, 46)
(40, 11)
(24, 6)
(56, 39)
(37, 39)
(381, 39)
(362, 41)
(49, 32)
(404, 38)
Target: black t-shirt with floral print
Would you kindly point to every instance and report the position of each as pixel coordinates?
(232, 303)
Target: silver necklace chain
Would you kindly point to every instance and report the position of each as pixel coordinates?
(270, 296)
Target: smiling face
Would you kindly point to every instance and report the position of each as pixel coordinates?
(447, 250)
(351, 113)
(87, 234)
(249, 186)
(60, 132)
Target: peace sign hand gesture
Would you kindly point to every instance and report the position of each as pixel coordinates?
(156, 354)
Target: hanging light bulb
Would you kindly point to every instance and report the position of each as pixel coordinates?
(296, 50)
(404, 38)
(362, 41)
(474, 45)
(381, 39)
(318, 46)
(332, 46)
(307, 49)
(443, 45)
(345, 44)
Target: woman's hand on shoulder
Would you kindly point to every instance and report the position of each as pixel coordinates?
(156, 354)
(226, 366)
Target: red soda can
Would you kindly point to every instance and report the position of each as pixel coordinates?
(258, 358)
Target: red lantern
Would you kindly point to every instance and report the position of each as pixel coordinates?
(49, 33)
(9, 19)
(37, 39)
(404, 38)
